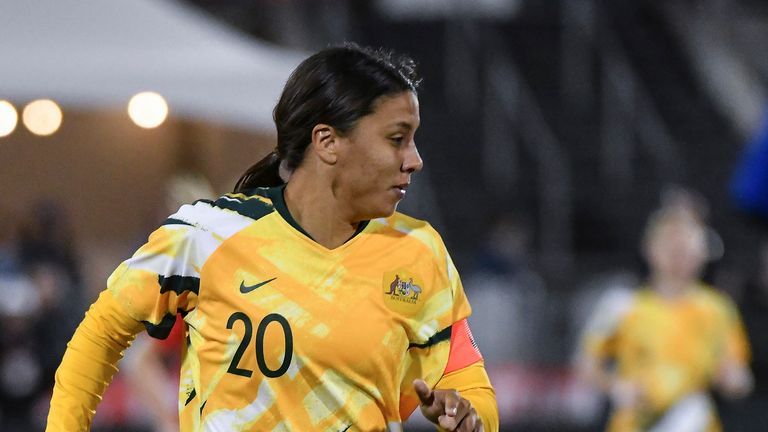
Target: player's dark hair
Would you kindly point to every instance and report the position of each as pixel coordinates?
(336, 86)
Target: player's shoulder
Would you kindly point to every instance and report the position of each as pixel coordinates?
(418, 236)
(713, 297)
(612, 306)
(645, 294)
(404, 225)
(231, 211)
(253, 204)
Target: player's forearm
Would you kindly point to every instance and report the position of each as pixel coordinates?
(89, 363)
(591, 369)
(734, 379)
(473, 384)
(143, 368)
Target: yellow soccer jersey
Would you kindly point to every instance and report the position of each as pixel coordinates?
(285, 334)
(670, 348)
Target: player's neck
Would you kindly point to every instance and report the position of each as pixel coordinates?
(670, 287)
(313, 206)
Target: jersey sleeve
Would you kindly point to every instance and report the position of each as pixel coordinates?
(598, 336)
(162, 279)
(473, 384)
(89, 363)
(461, 308)
(464, 372)
(449, 341)
(145, 292)
(736, 342)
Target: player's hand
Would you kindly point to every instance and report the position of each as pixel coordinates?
(734, 379)
(626, 394)
(447, 409)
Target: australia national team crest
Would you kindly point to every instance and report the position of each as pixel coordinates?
(402, 290)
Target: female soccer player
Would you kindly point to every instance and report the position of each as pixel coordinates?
(309, 303)
(671, 341)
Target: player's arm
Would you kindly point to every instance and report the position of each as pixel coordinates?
(591, 367)
(89, 363)
(597, 346)
(473, 384)
(148, 377)
(733, 377)
(144, 292)
(463, 398)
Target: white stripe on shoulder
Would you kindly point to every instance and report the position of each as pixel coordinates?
(163, 265)
(611, 308)
(187, 261)
(222, 222)
(183, 263)
(208, 228)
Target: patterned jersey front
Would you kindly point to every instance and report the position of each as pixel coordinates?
(284, 334)
(671, 349)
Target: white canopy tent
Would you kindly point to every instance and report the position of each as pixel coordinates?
(96, 54)
(92, 56)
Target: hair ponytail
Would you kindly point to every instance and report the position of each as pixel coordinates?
(265, 173)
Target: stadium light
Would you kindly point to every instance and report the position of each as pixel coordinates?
(42, 117)
(8, 118)
(148, 109)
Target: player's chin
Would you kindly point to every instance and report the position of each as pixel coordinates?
(392, 206)
(379, 205)
(383, 210)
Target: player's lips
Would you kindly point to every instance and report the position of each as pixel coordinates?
(401, 189)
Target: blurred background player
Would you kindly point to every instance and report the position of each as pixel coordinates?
(658, 351)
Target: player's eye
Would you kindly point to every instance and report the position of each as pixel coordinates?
(397, 140)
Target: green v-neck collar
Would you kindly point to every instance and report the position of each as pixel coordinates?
(277, 195)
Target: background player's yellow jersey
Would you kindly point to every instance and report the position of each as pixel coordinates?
(670, 348)
(285, 334)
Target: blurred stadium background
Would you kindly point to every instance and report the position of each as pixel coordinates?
(550, 130)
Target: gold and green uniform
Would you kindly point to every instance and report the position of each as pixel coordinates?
(284, 334)
(670, 348)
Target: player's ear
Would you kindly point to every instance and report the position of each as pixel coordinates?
(325, 143)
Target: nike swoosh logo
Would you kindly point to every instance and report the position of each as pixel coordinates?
(246, 289)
